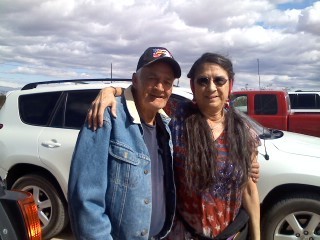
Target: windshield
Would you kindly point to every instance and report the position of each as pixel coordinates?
(263, 132)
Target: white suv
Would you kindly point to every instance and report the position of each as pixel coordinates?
(39, 127)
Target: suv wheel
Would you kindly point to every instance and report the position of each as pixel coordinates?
(51, 210)
(295, 217)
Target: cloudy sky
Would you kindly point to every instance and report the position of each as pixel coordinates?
(44, 40)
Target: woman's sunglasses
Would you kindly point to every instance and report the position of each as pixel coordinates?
(205, 81)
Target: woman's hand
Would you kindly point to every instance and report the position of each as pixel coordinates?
(105, 98)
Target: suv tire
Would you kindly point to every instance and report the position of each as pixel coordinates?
(51, 210)
(296, 216)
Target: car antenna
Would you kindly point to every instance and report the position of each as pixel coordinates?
(259, 72)
(266, 155)
(177, 85)
(2, 188)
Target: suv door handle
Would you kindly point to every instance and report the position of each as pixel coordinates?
(51, 144)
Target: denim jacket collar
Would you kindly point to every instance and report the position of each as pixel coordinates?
(132, 108)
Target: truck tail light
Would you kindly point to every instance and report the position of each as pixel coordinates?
(30, 213)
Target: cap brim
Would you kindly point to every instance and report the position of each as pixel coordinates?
(173, 63)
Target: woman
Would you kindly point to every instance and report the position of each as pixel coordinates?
(213, 152)
(214, 149)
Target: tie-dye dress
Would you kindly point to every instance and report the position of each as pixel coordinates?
(211, 211)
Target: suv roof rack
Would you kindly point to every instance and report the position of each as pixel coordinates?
(82, 81)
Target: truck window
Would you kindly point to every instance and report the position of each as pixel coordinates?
(304, 100)
(265, 104)
(241, 103)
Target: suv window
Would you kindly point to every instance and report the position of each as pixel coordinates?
(265, 104)
(304, 100)
(36, 109)
(73, 109)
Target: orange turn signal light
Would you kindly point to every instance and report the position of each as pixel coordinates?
(30, 212)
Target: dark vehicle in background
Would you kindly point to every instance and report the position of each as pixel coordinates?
(18, 216)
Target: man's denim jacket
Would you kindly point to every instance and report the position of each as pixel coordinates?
(109, 190)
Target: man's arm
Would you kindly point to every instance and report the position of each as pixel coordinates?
(88, 182)
(105, 98)
(255, 171)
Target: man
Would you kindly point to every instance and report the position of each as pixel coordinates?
(121, 182)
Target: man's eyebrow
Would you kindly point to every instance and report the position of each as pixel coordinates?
(152, 74)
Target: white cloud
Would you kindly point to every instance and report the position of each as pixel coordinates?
(8, 84)
(285, 1)
(70, 39)
(57, 73)
(286, 20)
(309, 20)
(218, 15)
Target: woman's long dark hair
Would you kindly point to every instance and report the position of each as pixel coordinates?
(201, 165)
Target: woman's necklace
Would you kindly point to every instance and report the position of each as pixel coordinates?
(216, 127)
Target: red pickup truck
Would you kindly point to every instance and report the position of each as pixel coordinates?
(272, 109)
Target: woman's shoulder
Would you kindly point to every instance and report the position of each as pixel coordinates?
(178, 109)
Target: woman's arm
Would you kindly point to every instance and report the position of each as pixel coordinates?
(251, 203)
(105, 98)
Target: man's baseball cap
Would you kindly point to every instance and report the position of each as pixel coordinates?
(155, 54)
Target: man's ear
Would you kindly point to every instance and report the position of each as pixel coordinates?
(134, 79)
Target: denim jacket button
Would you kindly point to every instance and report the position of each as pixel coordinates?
(144, 232)
(146, 171)
(146, 201)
